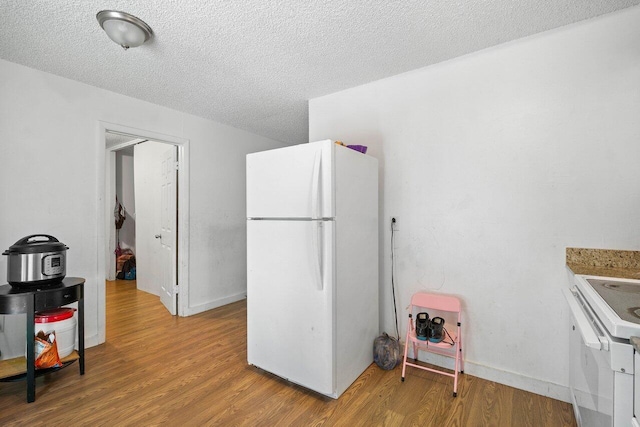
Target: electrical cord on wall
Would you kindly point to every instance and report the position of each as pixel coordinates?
(393, 284)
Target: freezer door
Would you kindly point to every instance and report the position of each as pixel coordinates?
(291, 182)
(289, 301)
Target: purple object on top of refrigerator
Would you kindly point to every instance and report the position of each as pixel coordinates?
(361, 148)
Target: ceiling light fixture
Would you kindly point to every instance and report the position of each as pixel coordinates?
(123, 28)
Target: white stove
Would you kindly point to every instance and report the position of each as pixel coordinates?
(605, 314)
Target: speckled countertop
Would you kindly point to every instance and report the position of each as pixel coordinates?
(604, 262)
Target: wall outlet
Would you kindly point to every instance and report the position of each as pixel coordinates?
(394, 223)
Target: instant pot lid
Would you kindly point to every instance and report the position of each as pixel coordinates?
(36, 243)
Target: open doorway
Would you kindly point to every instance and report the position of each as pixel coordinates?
(124, 213)
(145, 217)
(117, 138)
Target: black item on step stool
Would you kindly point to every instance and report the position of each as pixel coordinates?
(436, 327)
(422, 326)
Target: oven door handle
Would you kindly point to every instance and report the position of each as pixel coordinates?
(589, 336)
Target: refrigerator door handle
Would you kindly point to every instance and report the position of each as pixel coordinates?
(317, 245)
(315, 186)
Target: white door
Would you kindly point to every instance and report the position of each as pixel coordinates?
(291, 182)
(147, 160)
(168, 232)
(290, 328)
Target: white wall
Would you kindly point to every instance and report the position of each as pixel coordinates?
(49, 151)
(494, 163)
(126, 196)
(148, 179)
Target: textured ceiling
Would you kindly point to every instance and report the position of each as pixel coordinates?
(253, 64)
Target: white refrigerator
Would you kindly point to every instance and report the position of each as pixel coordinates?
(312, 264)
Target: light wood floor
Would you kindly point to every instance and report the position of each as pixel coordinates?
(161, 370)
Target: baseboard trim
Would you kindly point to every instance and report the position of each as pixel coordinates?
(92, 341)
(511, 379)
(200, 308)
(519, 381)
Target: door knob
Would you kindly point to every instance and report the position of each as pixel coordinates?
(157, 236)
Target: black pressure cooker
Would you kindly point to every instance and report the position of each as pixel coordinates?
(36, 260)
